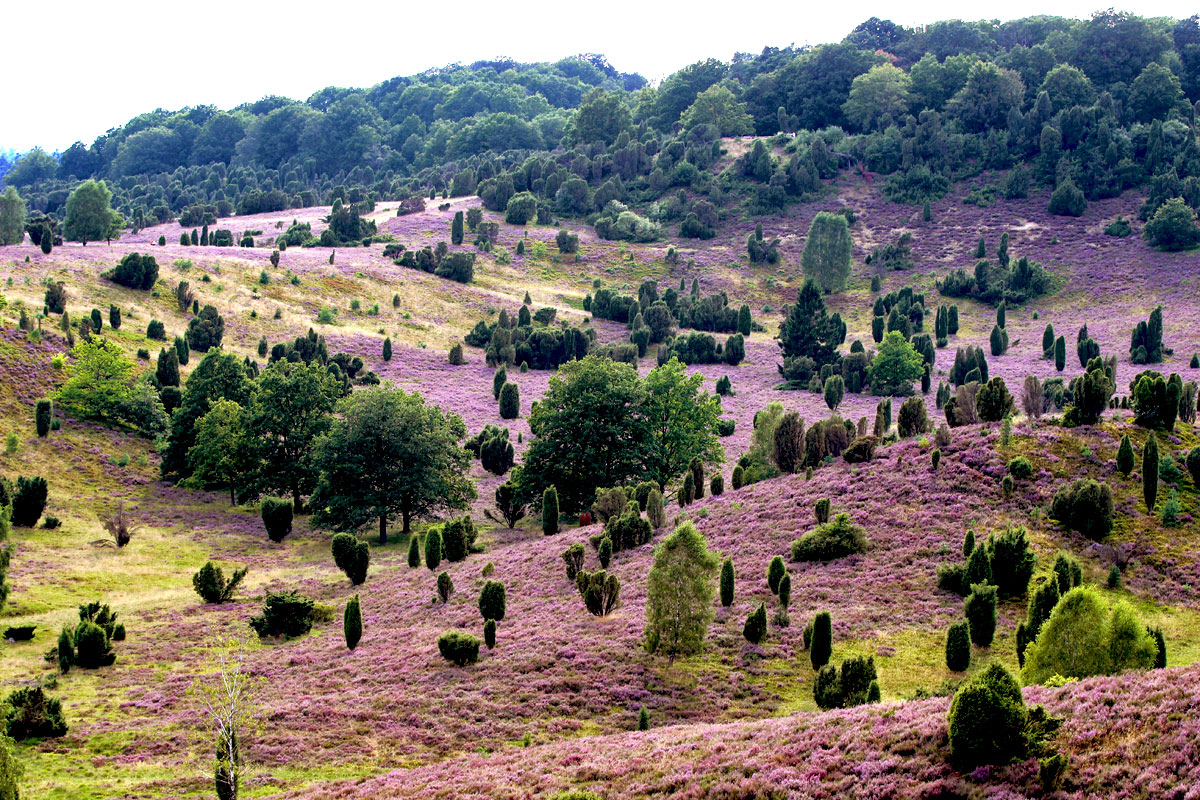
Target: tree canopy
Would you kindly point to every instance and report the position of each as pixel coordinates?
(388, 454)
(679, 593)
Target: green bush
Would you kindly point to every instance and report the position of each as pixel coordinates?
(755, 629)
(29, 501)
(351, 556)
(1173, 227)
(1125, 457)
(1083, 638)
(854, 684)
(958, 647)
(277, 515)
(821, 510)
(834, 539)
(1020, 468)
(1067, 200)
(445, 587)
(980, 611)
(727, 583)
(987, 719)
(1012, 561)
(550, 511)
(414, 551)
(573, 558)
(352, 623)
(92, 646)
(459, 649)
(492, 601)
(1086, 506)
(211, 585)
(951, 577)
(433, 548)
(284, 614)
(30, 714)
(820, 646)
(510, 401)
(600, 591)
(42, 418)
(775, 572)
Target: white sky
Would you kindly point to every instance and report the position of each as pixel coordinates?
(80, 68)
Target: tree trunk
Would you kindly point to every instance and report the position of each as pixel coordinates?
(383, 528)
(406, 517)
(232, 496)
(297, 503)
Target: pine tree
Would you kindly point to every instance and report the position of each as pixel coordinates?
(1060, 353)
(643, 720)
(456, 228)
(414, 551)
(433, 548)
(387, 349)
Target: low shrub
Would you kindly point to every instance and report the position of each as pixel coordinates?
(600, 591)
(755, 629)
(285, 614)
(834, 539)
(31, 714)
(459, 649)
(1020, 468)
(854, 684)
(211, 585)
(980, 611)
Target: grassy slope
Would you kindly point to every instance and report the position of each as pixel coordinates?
(336, 715)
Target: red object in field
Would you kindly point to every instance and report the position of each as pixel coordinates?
(585, 519)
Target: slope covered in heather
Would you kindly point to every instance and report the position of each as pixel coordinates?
(560, 678)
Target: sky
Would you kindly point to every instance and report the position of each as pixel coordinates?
(86, 67)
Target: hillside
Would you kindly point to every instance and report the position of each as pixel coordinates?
(567, 684)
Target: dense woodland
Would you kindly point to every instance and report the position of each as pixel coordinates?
(819, 423)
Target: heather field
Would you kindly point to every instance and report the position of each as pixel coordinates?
(555, 704)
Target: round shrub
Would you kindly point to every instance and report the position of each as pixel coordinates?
(277, 513)
(1020, 468)
(492, 601)
(958, 647)
(913, 418)
(1067, 200)
(1086, 506)
(716, 485)
(835, 539)
(352, 623)
(987, 719)
(351, 556)
(459, 649)
(1173, 227)
(755, 628)
(33, 715)
(604, 552)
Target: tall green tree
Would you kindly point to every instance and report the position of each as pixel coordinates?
(290, 406)
(679, 593)
(100, 380)
(878, 97)
(808, 331)
(826, 257)
(388, 454)
(682, 423)
(601, 117)
(12, 217)
(590, 432)
(89, 213)
(219, 375)
(718, 107)
(222, 455)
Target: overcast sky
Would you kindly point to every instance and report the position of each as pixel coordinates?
(83, 67)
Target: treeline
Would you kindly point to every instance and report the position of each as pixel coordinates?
(1091, 107)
